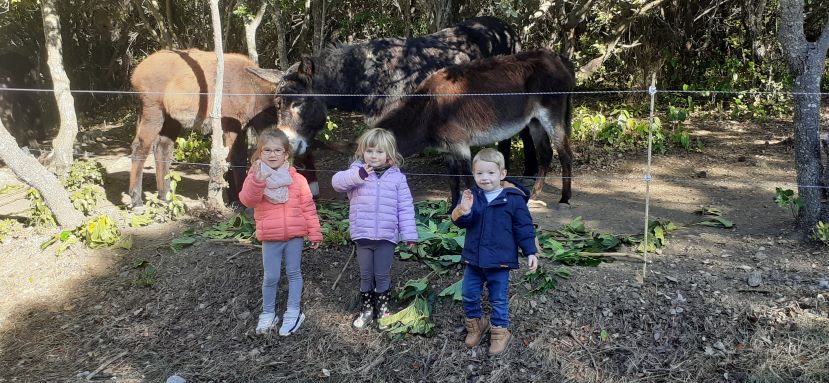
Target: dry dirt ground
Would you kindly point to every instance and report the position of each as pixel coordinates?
(693, 318)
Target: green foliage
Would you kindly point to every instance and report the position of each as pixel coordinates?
(39, 213)
(8, 226)
(821, 233)
(239, 227)
(786, 198)
(334, 223)
(572, 244)
(414, 320)
(540, 281)
(83, 173)
(195, 148)
(146, 276)
(412, 288)
(328, 131)
(622, 131)
(97, 232)
(187, 239)
(454, 290)
(86, 198)
(657, 236)
(8, 189)
(713, 217)
(157, 210)
(85, 183)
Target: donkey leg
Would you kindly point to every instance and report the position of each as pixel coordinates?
(149, 125)
(530, 160)
(554, 122)
(561, 141)
(544, 150)
(459, 165)
(236, 143)
(164, 154)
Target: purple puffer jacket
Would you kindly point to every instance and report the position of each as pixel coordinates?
(381, 208)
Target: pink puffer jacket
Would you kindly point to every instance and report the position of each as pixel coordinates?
(381, 208)
(282, 221)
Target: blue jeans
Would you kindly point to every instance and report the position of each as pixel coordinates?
(497, 282)
(272, 254)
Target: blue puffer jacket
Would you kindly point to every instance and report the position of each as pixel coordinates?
(496, 230)
(380, 208)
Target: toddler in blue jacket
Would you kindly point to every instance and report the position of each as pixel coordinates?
(497, 223)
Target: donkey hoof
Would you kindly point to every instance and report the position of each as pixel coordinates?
(564, 206)
(138, 209)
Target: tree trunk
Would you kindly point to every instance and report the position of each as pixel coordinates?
(318, 20)
(405, 8)
(282, 53)
(218, 152)
(26, 167)
(440, 12)
(61, 157)
(251, 26)
(166, 37)
(806, 61)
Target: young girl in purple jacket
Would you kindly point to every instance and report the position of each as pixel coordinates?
(381, 214)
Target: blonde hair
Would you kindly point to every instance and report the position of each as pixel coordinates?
(489, 155)
(381, 139)
(268, 135)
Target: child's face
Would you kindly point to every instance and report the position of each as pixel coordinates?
(273, 154)
(375, 157)
(488, 175)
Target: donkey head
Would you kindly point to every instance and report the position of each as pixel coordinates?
(299, 114)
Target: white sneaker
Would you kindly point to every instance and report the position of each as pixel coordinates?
(291, 322)
(266, 323)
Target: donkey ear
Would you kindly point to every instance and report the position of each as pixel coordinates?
(306, 66)
(270, 75)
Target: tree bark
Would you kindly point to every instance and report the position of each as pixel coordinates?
(405, 8)
(318, 20)
(61, 156)
(218, 152)
(806, 61)
(440, 12)
(26, 167)
(282, 53)
(251, 25)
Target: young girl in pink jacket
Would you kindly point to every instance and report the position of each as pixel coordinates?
(285, 213)
(381, 214)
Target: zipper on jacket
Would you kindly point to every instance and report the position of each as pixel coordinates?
(376, 209)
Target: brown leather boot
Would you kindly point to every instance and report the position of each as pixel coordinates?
(499, 338)
(475, 329)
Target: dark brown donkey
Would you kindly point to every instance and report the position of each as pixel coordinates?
(176, 91)
(366, 77)
(442, 117)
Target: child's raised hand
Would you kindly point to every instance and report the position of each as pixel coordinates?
(532, 262)
(257, 172)
(368, 168)
(466, 201)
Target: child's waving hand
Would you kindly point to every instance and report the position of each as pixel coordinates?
(466, 202)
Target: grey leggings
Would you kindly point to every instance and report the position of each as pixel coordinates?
(272, 254)
(375, 259)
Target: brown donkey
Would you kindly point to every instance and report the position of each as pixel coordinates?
(176, 89)
(440, 116)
